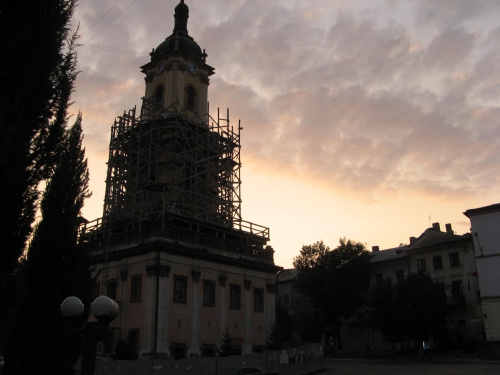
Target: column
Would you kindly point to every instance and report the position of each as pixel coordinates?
(247, 316)
(271, 305)
(222, 308)
(163, 305)
(156, 314)
(150, 309)
(194, 346)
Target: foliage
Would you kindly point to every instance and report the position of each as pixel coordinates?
(29, 108)
(415, 309)
(335, 280)
(226, 345)
(274, 341)
(311, 326)
(284, 322)
(56, 267)
(37, 74)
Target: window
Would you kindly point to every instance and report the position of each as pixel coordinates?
(379, 278)
(437, 262)
(258, 299)
(456, 288)
(190, 97)
(209, 292)
(111, 288)
(400, 276)
(421, 266)
(235, 296)
(159, 94)
(180, 288)
(454, 260)
(135, 288)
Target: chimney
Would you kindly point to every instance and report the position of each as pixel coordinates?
(448, 229)
(375, 248)
(436, 227)
(412, 240)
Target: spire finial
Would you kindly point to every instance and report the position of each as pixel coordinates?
(181, 16)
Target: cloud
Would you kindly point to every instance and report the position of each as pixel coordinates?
(367, 102)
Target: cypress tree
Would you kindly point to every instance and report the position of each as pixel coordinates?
(37, 71)
(32, 41)
(56, 267)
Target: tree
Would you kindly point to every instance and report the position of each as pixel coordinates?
(335, 280)
(226, 345)
(284, 322)
(32, 43)
(33, 97)
(274, 340)
(414, 310)
(56, 267)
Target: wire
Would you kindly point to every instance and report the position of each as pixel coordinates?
(100, 18)
(112, 20)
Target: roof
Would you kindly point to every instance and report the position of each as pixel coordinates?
(287, 275)
(180, 39)
(432, 237)
(388, 254)
(482, 210)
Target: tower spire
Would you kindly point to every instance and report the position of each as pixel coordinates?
(181, 17)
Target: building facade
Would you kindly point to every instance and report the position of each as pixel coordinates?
(171, 247)
(446, 257)
(485, 222)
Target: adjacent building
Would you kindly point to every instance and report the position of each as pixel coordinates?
(171, 247)
(448, 258)
(485, 224)
(445, 256)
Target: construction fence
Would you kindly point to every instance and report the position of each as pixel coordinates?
(307, 359)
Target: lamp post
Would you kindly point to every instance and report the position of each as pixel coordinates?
(104, 309)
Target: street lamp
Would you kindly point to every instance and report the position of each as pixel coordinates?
(105, 310)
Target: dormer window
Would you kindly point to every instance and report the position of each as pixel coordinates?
(159, 94)
(190, 98)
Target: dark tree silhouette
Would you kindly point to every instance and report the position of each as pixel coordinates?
(414, 310)
(284, 322)
(36, 74)
(56, 268)
(31, 69)
(335, 280)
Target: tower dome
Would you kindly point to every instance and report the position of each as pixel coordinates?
(179, 39)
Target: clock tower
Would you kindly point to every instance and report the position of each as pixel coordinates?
(178, 73)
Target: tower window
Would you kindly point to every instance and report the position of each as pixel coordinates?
(159, 94)
(190, 97)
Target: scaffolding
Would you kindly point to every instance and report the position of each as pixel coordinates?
(169, 160)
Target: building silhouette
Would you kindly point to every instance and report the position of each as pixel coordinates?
(171, 246)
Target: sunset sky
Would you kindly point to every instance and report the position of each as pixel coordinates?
(368, 120)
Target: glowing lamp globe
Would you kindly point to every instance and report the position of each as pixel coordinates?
(72, 307)
(104, 307)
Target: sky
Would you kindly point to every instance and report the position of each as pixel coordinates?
(368, 120)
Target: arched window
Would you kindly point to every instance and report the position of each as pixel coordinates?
(190, 97)
(159, 94)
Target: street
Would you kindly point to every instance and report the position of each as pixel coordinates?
(350, 367)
